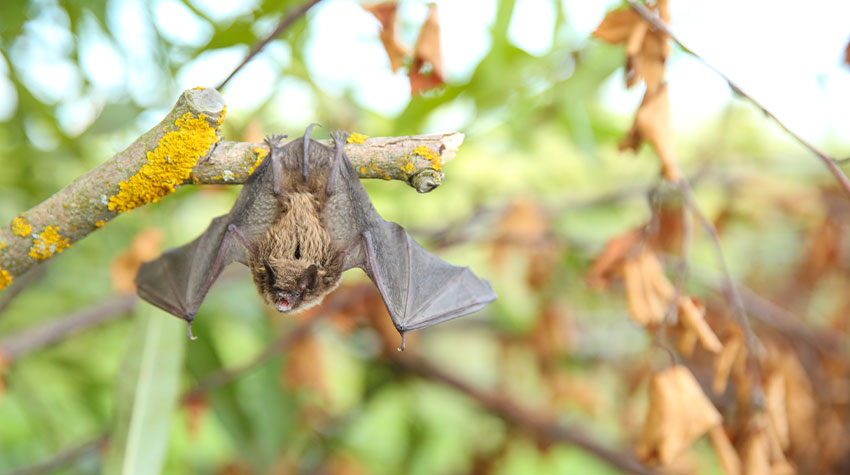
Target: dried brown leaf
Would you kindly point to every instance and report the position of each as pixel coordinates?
(617, 26)
(609, 260)
(652, 123)
(639, 307)
(723, 363)
(774, 391)
(427, 52)
(145, 246)
(305, 365)
(694, 319)
(396, 49)
(729, 460)
(679, 413)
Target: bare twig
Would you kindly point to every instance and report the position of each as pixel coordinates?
(29, 277)
(284, 23)
(754, 349)
(58, 329)
(537, 425)
(62, 458)
(828, 161)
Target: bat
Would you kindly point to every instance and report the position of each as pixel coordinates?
(301, 220)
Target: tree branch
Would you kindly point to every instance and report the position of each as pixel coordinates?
(284, 23)
(828, 161)
(185, 148)
(537, 425)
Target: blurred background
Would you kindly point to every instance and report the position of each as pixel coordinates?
(536, 194)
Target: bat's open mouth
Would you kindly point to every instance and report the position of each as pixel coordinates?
(282, 305)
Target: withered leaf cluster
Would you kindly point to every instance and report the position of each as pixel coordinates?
(426, 62)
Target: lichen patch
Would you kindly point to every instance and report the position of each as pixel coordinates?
(261, 154)
(168, 165)
(5, 278)
(427, 153)
(357, 138)
(47, 243)
(20, 227)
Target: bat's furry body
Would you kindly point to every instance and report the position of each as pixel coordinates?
(302, 219)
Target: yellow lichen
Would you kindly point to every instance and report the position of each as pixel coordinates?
(20, 227)
(432, 157)
(47, 243)
(169, 164)
(99, 223)
(357, 138)
(5, 278)
(408, 167)
(261, 154)
(221, 116)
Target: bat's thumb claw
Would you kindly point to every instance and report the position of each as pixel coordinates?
(401, 348)
(189, 331)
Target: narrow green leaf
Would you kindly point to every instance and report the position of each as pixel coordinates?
(147, 393)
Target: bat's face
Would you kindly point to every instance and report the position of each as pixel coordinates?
(292, 285)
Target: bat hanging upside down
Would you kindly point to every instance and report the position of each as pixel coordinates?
(301, 219)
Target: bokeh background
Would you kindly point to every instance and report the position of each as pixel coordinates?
(535, 193)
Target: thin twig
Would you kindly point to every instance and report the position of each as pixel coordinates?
(828, 161)
(62, 458)
(58, 329)
(29, 277)
(284, 23)
(538, 425)
(739, 309)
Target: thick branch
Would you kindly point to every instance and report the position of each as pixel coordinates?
(185, 148)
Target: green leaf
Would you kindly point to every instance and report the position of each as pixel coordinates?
(147, 394)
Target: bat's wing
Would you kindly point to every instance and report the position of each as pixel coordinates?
(178, 281)
(419, 288)
(180, 278)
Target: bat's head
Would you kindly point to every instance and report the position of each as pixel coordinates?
(292, 285)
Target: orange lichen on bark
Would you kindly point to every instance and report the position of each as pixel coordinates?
(424, 151)
(169, 164)
(357, 138)
(47, 243)
(20, 227)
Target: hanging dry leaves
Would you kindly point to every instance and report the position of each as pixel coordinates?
(426, 72)
(395, 48)
(608, 263)
(145, 246)
(525, 229)
(729, 460)
(196, 406)
(648, 290)
(847, 54)
(679, 413)
(653, 124)
(646, 48)
(724, 361)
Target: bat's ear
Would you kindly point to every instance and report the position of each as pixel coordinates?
(270, 275)
(309, 278)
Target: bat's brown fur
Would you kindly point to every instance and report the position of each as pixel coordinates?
(282, 259)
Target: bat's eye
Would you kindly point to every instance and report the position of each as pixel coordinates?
(298, 251)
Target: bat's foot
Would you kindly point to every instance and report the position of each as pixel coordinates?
(274, 140)
(306, 154)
